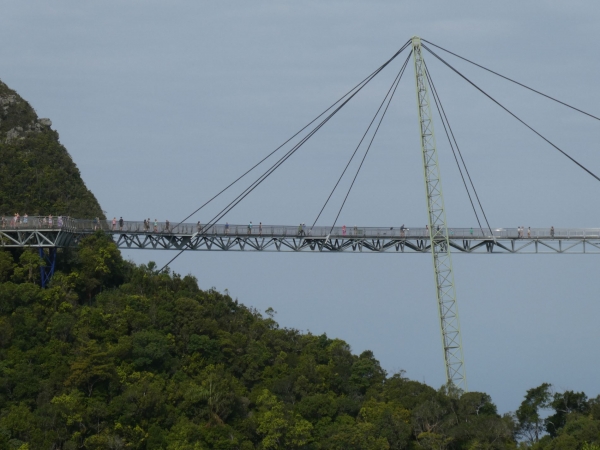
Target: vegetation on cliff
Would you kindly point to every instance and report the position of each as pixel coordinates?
(37, 174)
(114, 355)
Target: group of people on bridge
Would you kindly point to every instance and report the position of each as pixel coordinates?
(18, 221)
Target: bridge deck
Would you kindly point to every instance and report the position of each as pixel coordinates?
(67, 232)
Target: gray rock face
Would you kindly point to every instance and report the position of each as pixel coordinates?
(14, 133)
(7, 103)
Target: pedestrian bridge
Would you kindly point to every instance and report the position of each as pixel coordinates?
(62, 232)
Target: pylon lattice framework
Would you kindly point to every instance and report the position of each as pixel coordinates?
(438, 231)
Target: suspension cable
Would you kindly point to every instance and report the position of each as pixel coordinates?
(514, 81)
(259, 180)
(445, 121)
(513, 115)
(279, 162)
(370, 143)
(284, 158)
(365, 81)
(362, 139)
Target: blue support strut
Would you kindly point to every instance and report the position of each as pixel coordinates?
(47, 270)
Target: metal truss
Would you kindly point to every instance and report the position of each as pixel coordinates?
(574, 244)
(438, 231)
(198, 242)
(47, 270)
(40, 238)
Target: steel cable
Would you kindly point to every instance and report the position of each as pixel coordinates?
(445, 121)
(276, 165)
(362, 139)
(514, 81)
(379, 69)
(370, 143)
(514, 115)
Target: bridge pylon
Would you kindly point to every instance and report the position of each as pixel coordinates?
(438, 230)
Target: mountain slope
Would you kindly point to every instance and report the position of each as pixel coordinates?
(37, 174)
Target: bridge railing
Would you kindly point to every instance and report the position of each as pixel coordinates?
(155, 227)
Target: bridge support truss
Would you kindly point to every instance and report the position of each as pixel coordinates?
(438, 231)
(47, 270)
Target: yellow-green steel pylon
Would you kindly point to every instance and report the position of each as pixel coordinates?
(438, 231)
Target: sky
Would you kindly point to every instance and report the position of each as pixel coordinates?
(162, 104)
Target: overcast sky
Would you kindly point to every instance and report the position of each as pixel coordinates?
(161, 104)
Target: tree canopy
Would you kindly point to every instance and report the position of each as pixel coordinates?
(116, 355)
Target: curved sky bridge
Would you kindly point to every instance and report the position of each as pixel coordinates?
(438, 238)
(67, 232)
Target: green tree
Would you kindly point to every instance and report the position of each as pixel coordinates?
(98, 264)
(280, 428)
(6, 265)
(565, 403)
(530, 424)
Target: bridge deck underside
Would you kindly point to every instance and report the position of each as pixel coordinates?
(573, 244)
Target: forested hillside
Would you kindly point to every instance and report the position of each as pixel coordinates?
(37, 174)
(117, 356)
(114, 356)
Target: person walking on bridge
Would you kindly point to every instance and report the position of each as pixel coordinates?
(301, 230)
(552, 231)
(226, 227)
(156, 225)
(250, 228)
(167, 223)
(121, 223)
(114, 223)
